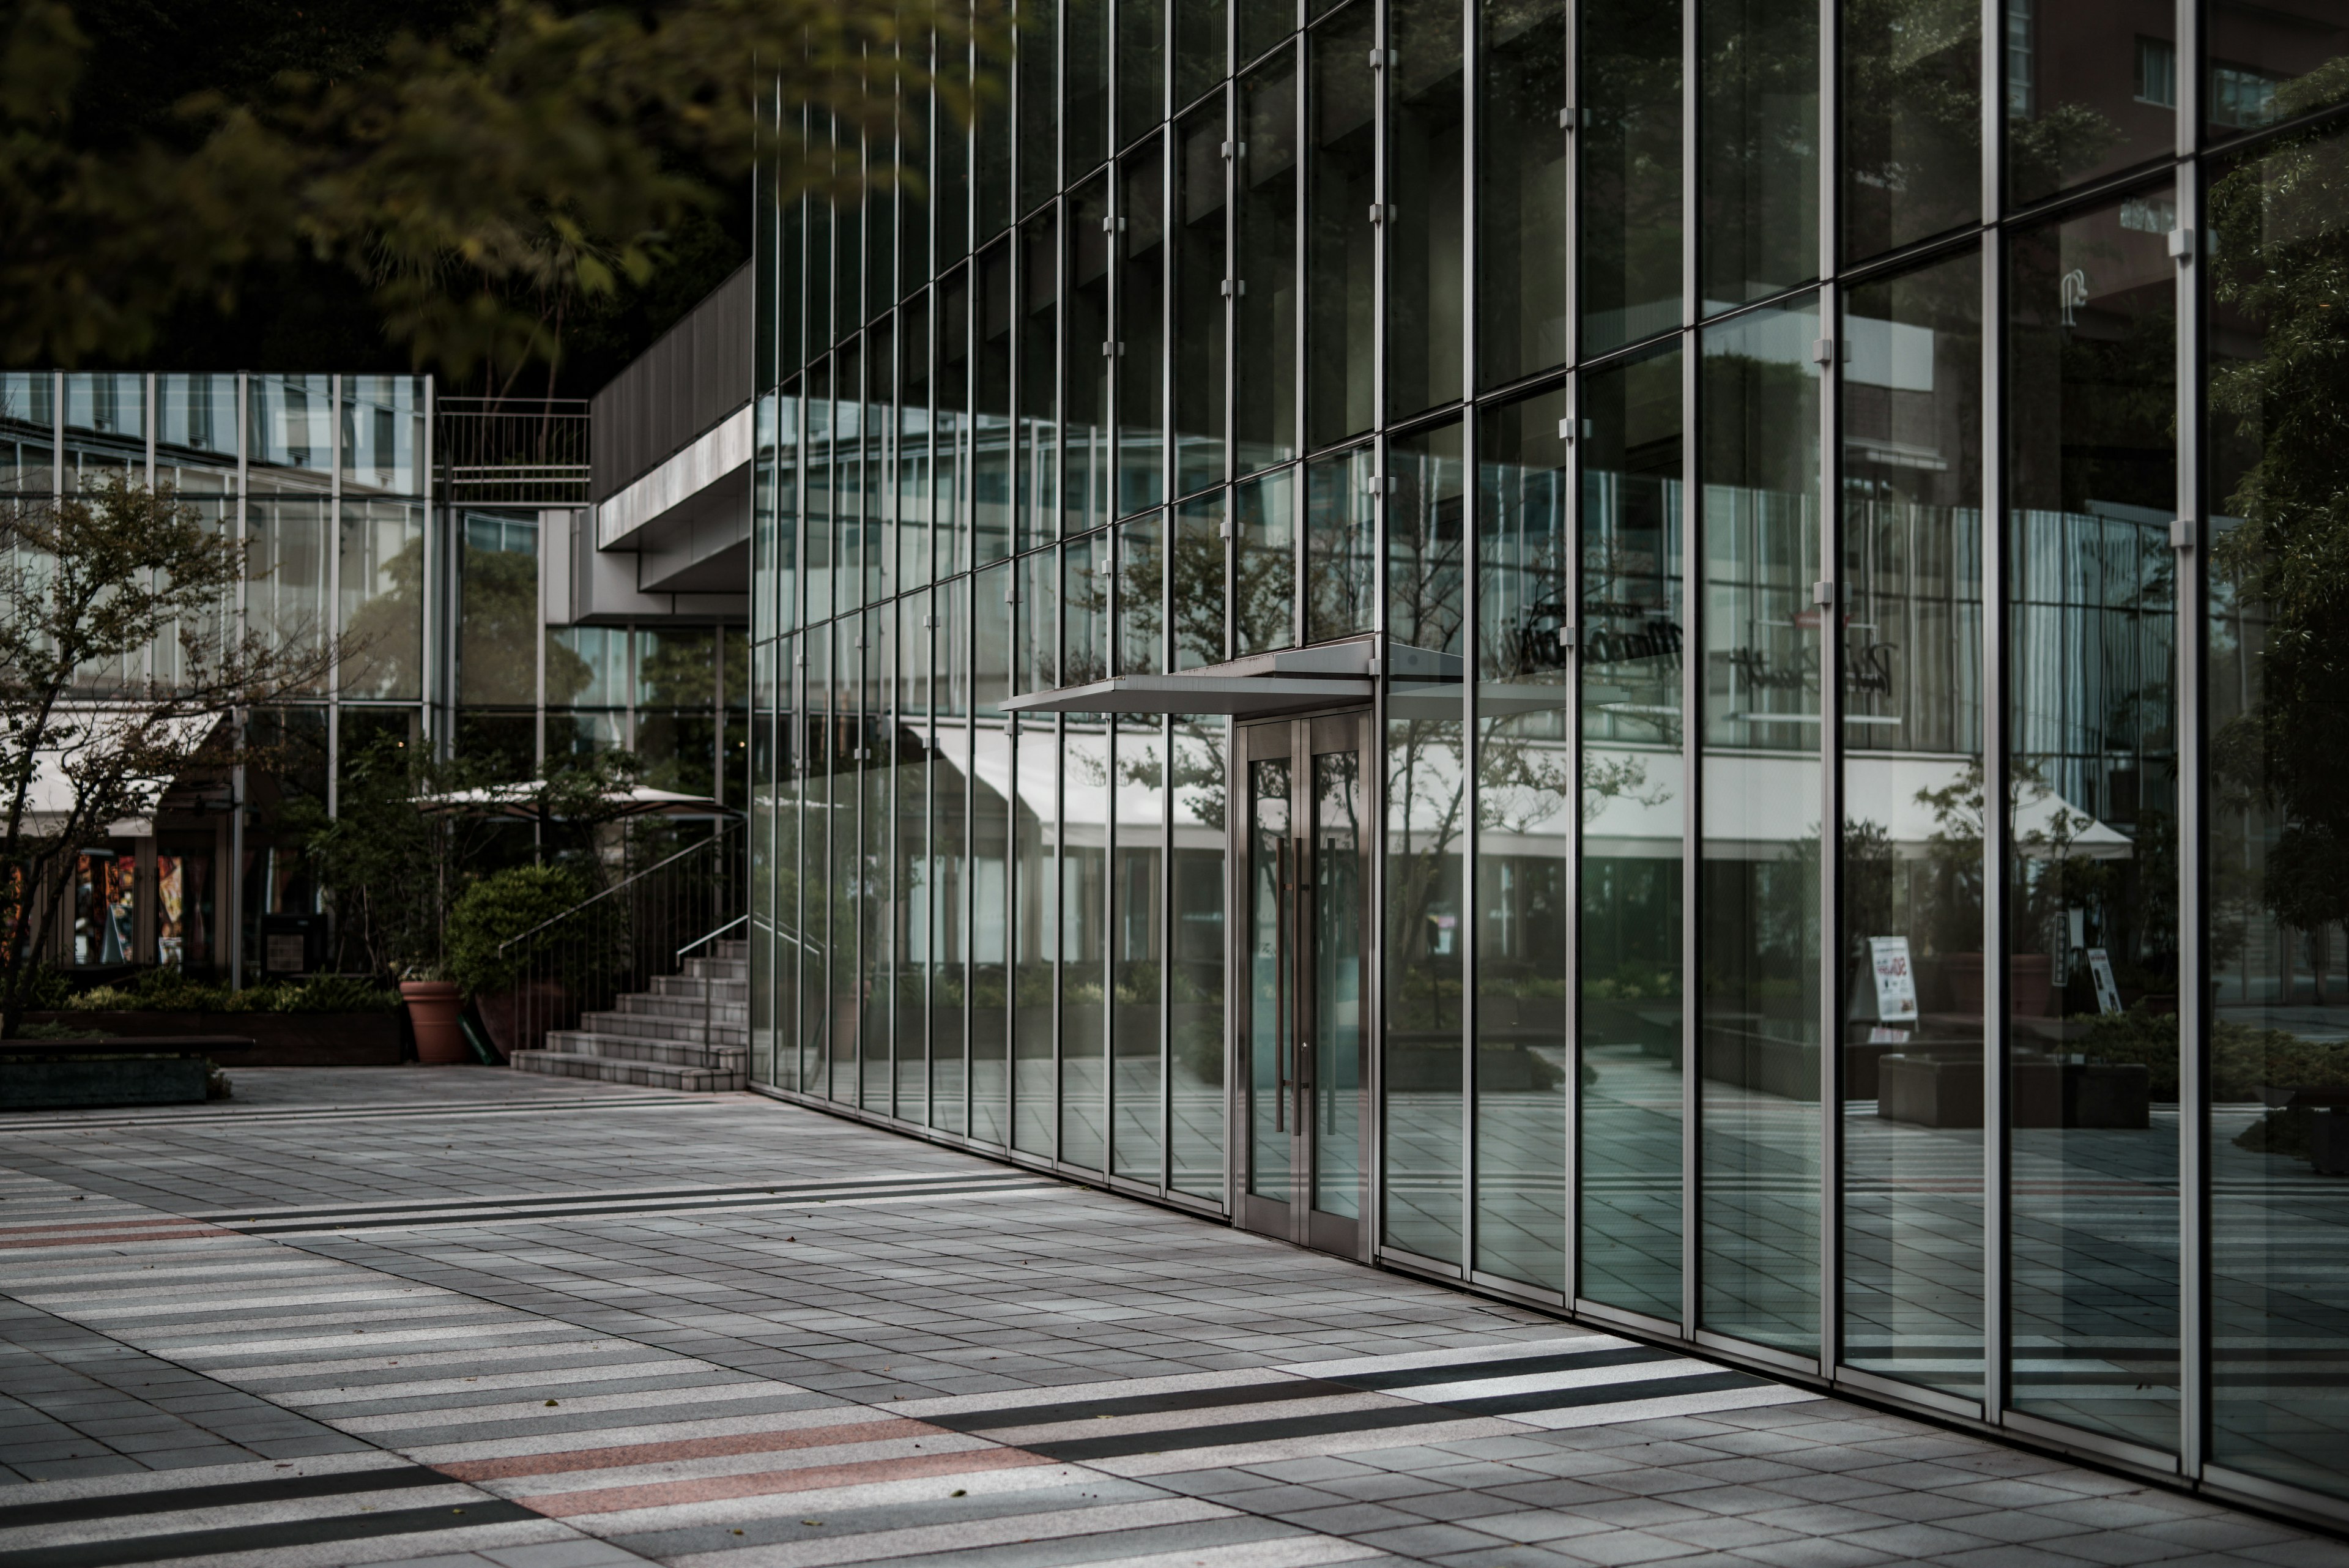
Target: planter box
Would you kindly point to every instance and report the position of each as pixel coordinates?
(1947, 1091)
(63, 1075)
(278, 1039)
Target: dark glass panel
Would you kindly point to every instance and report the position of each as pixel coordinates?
(1035, 889)
(951, 450)
(1426, 261)
(1521, 190)
(991, 476)
(1426, 597)
(1085, 475)
(1036, 486)
(2092, 864)
(1141, 332)
(1086, 126)
(1757, 156)
(1194, 957)
(2089, 92)
(1201, 48)
(1137, 948)
(990, 136)
(990, 856)
(878, 772)
(2271, 62)
(1142, 595)
(1426, 787)
(1141, 68)
(1196, 568)
(1341, 249)
(1039, 103)
(915, 514)
(1264, 308)
(1342, 562)
(1084, 609)
(1198, 336)
(2279, 896)
(1629, 227)
(1911, 121)
(913, 193)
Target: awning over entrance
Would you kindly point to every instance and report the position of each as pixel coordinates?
(1290, 680)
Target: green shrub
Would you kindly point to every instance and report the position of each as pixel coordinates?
(509, 903)
(2244, 1060)
(169, 991)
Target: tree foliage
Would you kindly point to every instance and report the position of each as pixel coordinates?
(91, 586)
(482, 184)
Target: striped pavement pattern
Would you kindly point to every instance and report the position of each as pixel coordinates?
(497, 1426)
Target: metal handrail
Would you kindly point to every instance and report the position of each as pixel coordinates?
(712, 935)
(695, 847)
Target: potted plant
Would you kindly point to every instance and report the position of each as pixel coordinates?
(434, 1005)
(512, 951)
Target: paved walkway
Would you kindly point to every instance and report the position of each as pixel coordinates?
(462, 1316)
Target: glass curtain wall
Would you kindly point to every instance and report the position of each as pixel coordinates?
(1840, 503)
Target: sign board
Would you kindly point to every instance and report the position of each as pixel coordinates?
(1895, 982)
(285, 953)
(2108, 990)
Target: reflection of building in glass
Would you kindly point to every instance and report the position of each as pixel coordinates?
(1367, 631)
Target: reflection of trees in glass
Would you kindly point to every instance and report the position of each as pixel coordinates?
(2280, 232)
(1631, 169)
(496, 659)
(677, 672)
(1912, 119)
(383, 655)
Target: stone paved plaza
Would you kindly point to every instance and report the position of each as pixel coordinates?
(466, 1316)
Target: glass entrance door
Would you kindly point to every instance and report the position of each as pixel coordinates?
(1302, 842)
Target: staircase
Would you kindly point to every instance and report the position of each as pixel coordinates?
(659, 1039)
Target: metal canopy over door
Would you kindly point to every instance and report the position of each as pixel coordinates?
(1301, 851)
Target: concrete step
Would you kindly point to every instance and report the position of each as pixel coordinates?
(556, 1063)
(721, 1029)
(719, 969)
(720, 988)
(636, 1048)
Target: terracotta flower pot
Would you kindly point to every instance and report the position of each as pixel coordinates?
(432, 1009)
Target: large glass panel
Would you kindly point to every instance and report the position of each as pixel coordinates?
(1040, 102)
(914, 510)
(1141, 68)
(1629, 227)
(951, 449)
(915, 935)
(1339, 906)
(1521, 190)
(1199, 292)
(792, 947)
(2087, 94)
(1633, 807)
(1142, 596)
(1525, 793)
(1194, 983)
(1426, 792)
(1759, 889)
(1271, 1008)
(876, 427)
(951, 187)
(820, 907)
(1426, 595)
(1141, 331)
(1262, 24)
(2279, 991)
(817, 527)
(990, 856)
(990, 477)
(765, 985)
(876, 735)
(497, 578)
(1085, 793)
(1195, 573)
(915, 263)
(1912, 108)
(1085, 477)
(849, 526)
(950, 841)
(1341, 563)
(1426, 259)
(1342, 251)
(990, 136)
(1201, 52)
(1264, 563)
(382, 591)
(383, 434)
(2092, 863)
(2266, 62)
(1264, 252)
(1911, 836)
(1084, 609)
(1137, 950)
(1039, 477)
(1035, 882)
(790, 465)
(847, 891)
(1086, 102)
(1757, 151)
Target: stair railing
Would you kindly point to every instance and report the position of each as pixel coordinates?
(617, 940)
(706, 1004)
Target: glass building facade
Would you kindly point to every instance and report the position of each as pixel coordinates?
(1667, 661)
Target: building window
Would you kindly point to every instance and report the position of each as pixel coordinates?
(2241, 98)
(2157, 72)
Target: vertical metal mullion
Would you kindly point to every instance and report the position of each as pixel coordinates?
(1165, 912)
(1691, 695)
(1569, 95)
(1997, 1114)
(1470, 890)
(155, 408)
(333, 546)
(1831, 816)
(1831, 701)
(2193, 773)
(234, 879)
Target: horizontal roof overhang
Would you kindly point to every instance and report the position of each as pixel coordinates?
(1289, 680)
